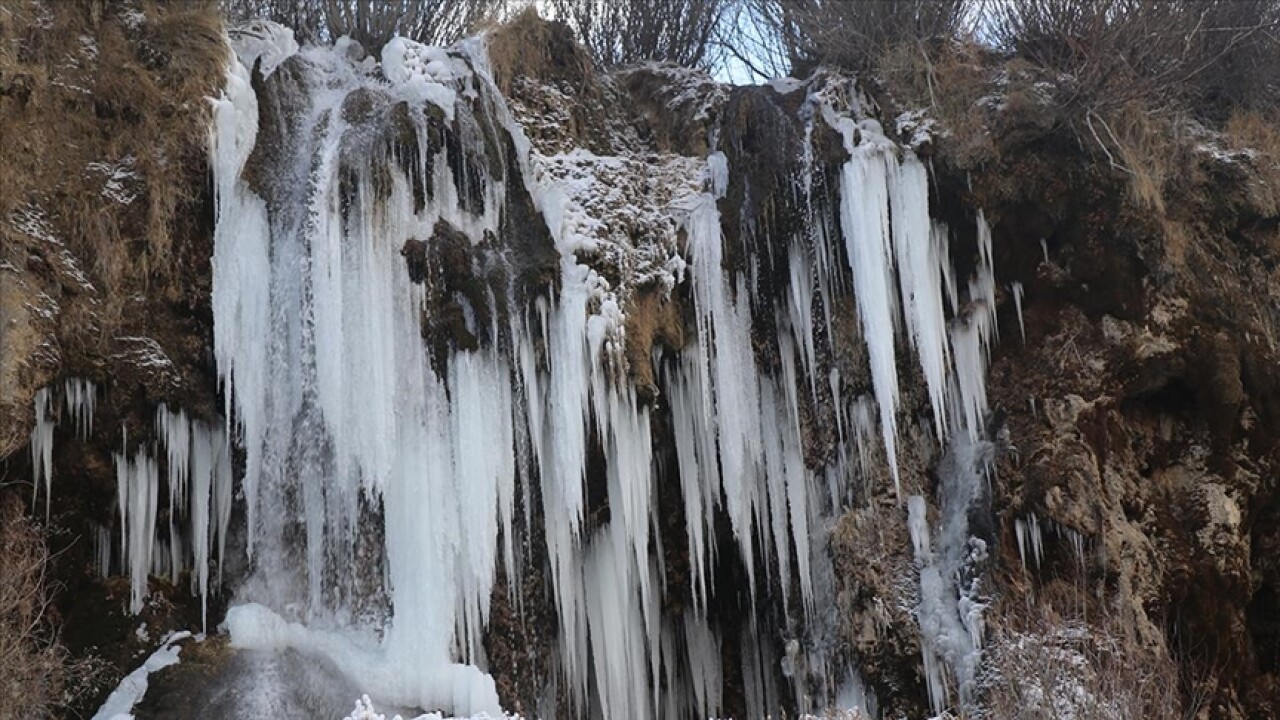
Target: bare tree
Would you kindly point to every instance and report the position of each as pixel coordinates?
(855, 35)
(1154, 51)
(370, 22)
(617, 32)
(306, 19)
(1239, 65)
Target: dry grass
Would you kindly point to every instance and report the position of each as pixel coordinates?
(949, 80)
(529, 46)
(100, 102)
(37, 677)
(1258, 133)
(1148, 148)
(1044, 666)
(651, 317)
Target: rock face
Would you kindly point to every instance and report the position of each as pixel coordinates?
(105, 236)
(1128, 522)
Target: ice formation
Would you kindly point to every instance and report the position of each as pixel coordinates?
(119, 704)
(1030, 535)
(42, 449)
(354, 432)
(198, 486)
(78, 399)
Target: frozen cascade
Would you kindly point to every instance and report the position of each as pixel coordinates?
(199, 483)
(355, 385)
(354, 433)
(195, 452)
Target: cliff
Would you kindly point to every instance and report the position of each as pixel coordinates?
(642, 394)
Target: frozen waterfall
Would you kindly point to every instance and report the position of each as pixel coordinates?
(340, 194)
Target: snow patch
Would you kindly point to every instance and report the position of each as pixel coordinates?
(130, 691)
(263, 41)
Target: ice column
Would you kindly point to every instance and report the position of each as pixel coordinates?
(42, 449)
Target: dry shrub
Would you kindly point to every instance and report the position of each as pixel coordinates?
(1199, 55)
(370, 22)
(1149, 149)
(528, 46)
(37, 677)
(630, 31)
(1042, 666)
(1258, 133)
(855, 35)
(950, 80)
(1255, 130)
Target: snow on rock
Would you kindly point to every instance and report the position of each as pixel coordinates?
(263, 41)
(365, 710)
(688, 93)
(424, 73)
(617, 209)
(119, 704)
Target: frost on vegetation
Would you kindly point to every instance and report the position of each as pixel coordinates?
(133, 18)
(1072, 671)
(32, 221)
(118, 179)
(686, 92)
(917, 127)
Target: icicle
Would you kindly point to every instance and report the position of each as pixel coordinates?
(1037, 539)
(1020, 532)
(864, 217)
(966, 340)
(920, 274)
(174, 430)
(1017, 303)
(138, 483)
(703, 646)
(210, 508)
(102, 551)
(617, 626)
(731, 394)
(697, 460)
(80, 397)
(42, 450)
